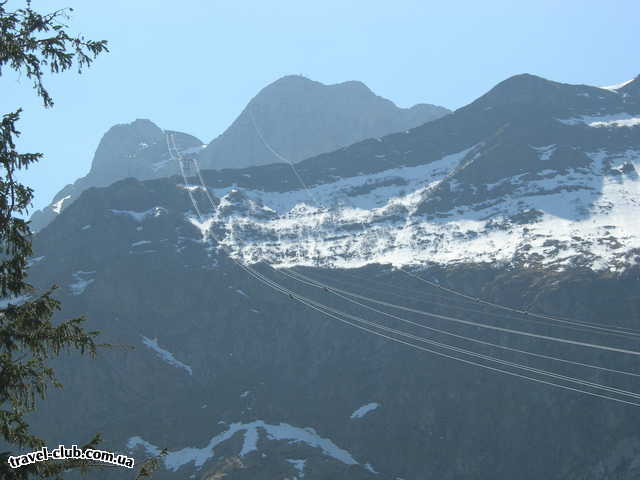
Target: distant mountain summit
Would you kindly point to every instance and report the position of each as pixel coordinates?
(300, 118)
(296, 116)
(135, 149)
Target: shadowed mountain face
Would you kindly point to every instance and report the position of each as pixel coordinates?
(300, 118)
(526, 197)
(225, 367)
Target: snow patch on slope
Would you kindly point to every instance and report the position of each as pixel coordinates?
(617, 86)
(373, 218)
(165, 354)
(81, 282)
(283, 431)
(57, 207)
(362, 411)
(141, 242)
(298, 465)
(141, 216)
(378, 188)
(597, 121)
(546, 152)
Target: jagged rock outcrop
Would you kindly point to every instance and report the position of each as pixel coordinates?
(137, 149)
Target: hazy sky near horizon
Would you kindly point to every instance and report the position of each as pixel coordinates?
(193, 65)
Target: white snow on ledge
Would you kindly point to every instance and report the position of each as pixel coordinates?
(203, 226)
(141, 242)
(383, 225)
(199, 456)
(616, 120)
(191, 150)
(362, 411)
(57, 207)
(546, 152)
(81, 282)
(298, 465)
(618, 85)
(140, 216)
(34, 260)
(165, 354)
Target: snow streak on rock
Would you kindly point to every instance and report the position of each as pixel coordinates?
(57, 207)
(283, 431)
(81, 282)
(362, 411)
(141, 216)
(549, 216)
(165, 354)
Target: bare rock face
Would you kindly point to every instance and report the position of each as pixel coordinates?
(137, 149)
(299, 118)
(119, 149)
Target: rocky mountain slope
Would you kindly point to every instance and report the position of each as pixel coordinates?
(311, 118)
(507, 199)
(223, 367)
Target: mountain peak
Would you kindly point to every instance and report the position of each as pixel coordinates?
(120, 140)
(300, 118)
(537, 95)
(136, 149)
(292, 85)
(523, 88)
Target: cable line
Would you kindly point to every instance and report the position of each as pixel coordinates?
(328, 311)
(595, 326)
(332, 313)
(482, 325)
(470, 339)
(465, 308)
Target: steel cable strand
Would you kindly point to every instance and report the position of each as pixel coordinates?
(196, 167)
(294, 295)
(468, 308)
(282, 158)
(595, 326)
(471, 339)
(464, 337)
(327, 311)
(471, 353)
(177, 157)
(483, 325)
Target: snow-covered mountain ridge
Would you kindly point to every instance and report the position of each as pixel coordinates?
(587, 215)
(552, 184)
(512, 177)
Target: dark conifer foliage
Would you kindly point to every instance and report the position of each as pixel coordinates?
(33, 45)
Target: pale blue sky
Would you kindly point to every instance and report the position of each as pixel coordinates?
(192, 65)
